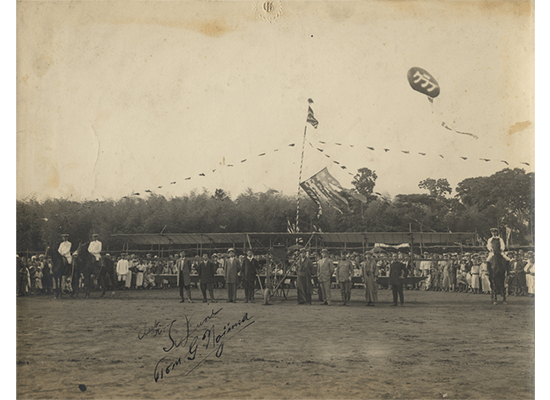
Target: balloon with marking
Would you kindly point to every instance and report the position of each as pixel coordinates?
(422, 81)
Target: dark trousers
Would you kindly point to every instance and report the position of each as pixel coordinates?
(248, 290)
(187, 289)
(397, 290)
(303, 290)
(210, 288)
(345, 289)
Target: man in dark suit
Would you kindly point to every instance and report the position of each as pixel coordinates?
(249, 270)
(397, 270)
(184, 276)
(206, 270)
(304, 271)
(231, 268)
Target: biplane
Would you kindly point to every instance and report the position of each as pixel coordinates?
(277, 251)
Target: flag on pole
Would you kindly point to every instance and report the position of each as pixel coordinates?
(323, 186)
(311, 119)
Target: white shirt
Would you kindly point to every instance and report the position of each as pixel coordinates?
(95, 249)
(65, 251)
(122, 267)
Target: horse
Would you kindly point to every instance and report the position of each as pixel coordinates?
(107, 275)
(85, 264)
(59, 269)
(497, 269)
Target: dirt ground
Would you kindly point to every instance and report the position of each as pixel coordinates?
(439, 345)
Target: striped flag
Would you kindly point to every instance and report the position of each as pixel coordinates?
(311, 119)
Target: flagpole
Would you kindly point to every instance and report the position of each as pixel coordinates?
(311, 120)
(299, 180)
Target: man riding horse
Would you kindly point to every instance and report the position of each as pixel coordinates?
(497, 265)
(495, 245)
(87, 261)
(95, 249)
(65, 251)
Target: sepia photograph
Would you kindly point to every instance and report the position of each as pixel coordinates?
(275, 199)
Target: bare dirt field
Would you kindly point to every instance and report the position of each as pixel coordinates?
(147, 345)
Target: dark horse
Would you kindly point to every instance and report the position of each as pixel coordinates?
(85, 264)
(497, 268)
(59, 269)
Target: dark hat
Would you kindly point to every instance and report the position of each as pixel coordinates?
(494, 229)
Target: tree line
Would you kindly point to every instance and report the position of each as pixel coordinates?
(504, 200)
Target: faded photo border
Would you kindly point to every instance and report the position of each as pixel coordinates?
(114, 97)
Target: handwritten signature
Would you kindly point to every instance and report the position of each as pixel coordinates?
(192, 341)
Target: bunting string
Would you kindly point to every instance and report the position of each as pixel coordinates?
(204, 174)
(320, 147)
(408, 152)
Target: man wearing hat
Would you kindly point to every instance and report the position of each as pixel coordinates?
(95, 248)
(65, 250)
(206, 271)
(122, 268)
(397, 271)
(231, 269)
(325, 269)
(370, 274)
(344, 273)
(304, 270)
(250, 268)
(184, 276)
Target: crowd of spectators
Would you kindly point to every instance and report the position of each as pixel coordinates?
(448, 272)
(451, 272)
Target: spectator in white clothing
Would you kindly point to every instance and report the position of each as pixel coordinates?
(122, 269)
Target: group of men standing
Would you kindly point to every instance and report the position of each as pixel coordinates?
(344, 272)
(206, 269)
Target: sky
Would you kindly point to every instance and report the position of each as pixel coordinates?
(116, 98)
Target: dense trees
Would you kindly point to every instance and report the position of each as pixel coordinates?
(437, 188)
(505, 200)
